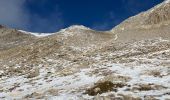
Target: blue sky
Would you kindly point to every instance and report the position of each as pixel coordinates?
(53, 15)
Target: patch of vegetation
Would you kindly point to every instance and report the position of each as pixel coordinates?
(155, 73)
(52, 92)
(103, 87)
(145, 87)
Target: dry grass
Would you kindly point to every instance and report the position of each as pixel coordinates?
(103, 87)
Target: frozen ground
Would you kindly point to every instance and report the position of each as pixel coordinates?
(144, 68)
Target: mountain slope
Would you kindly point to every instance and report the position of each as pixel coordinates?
(130, 62)
(82, 37)
(69, 43)
(12, 37)
(150, 24)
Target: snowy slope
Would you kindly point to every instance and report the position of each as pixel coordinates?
(143, 68)
(78, 63)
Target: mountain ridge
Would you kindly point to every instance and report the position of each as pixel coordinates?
(146, 25)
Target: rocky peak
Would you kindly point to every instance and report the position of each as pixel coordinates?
(1, 26)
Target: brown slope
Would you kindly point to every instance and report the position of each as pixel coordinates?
(79, 37)
(74, 39)
(66, 45)
(153, 23)
(11, 37)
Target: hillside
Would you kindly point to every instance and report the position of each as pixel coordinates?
(146, 25)
(130, 62)
(12, 37)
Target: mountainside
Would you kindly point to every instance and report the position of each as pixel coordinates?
(11, 38)
(150, 24)
(130, 62)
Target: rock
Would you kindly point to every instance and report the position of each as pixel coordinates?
(97, 90)
(167, 98)
(150, 98)
(114, 78)
(33, 73)
(98, 97)
(1, 26)
(52, 92)
(118, 98)
(35, 95)
(106, 98)
(129, 97)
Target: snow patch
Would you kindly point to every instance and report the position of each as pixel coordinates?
(74, 27)
(167, 1)
(36, 34)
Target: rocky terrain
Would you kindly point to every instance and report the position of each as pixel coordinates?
(129, 62)
(150, 24)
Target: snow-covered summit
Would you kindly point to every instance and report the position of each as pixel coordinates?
(76, 27)
(73, 30)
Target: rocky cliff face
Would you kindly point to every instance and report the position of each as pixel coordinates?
(130, 62)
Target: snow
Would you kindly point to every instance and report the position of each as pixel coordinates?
(72, 30)
(167, 1)
(36, 34)
(75, 27)
(67, 82)
(66, 32)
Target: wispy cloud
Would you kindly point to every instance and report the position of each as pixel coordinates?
(52, 22)
(13, 13)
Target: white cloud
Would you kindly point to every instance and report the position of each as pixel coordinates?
(13, 13)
